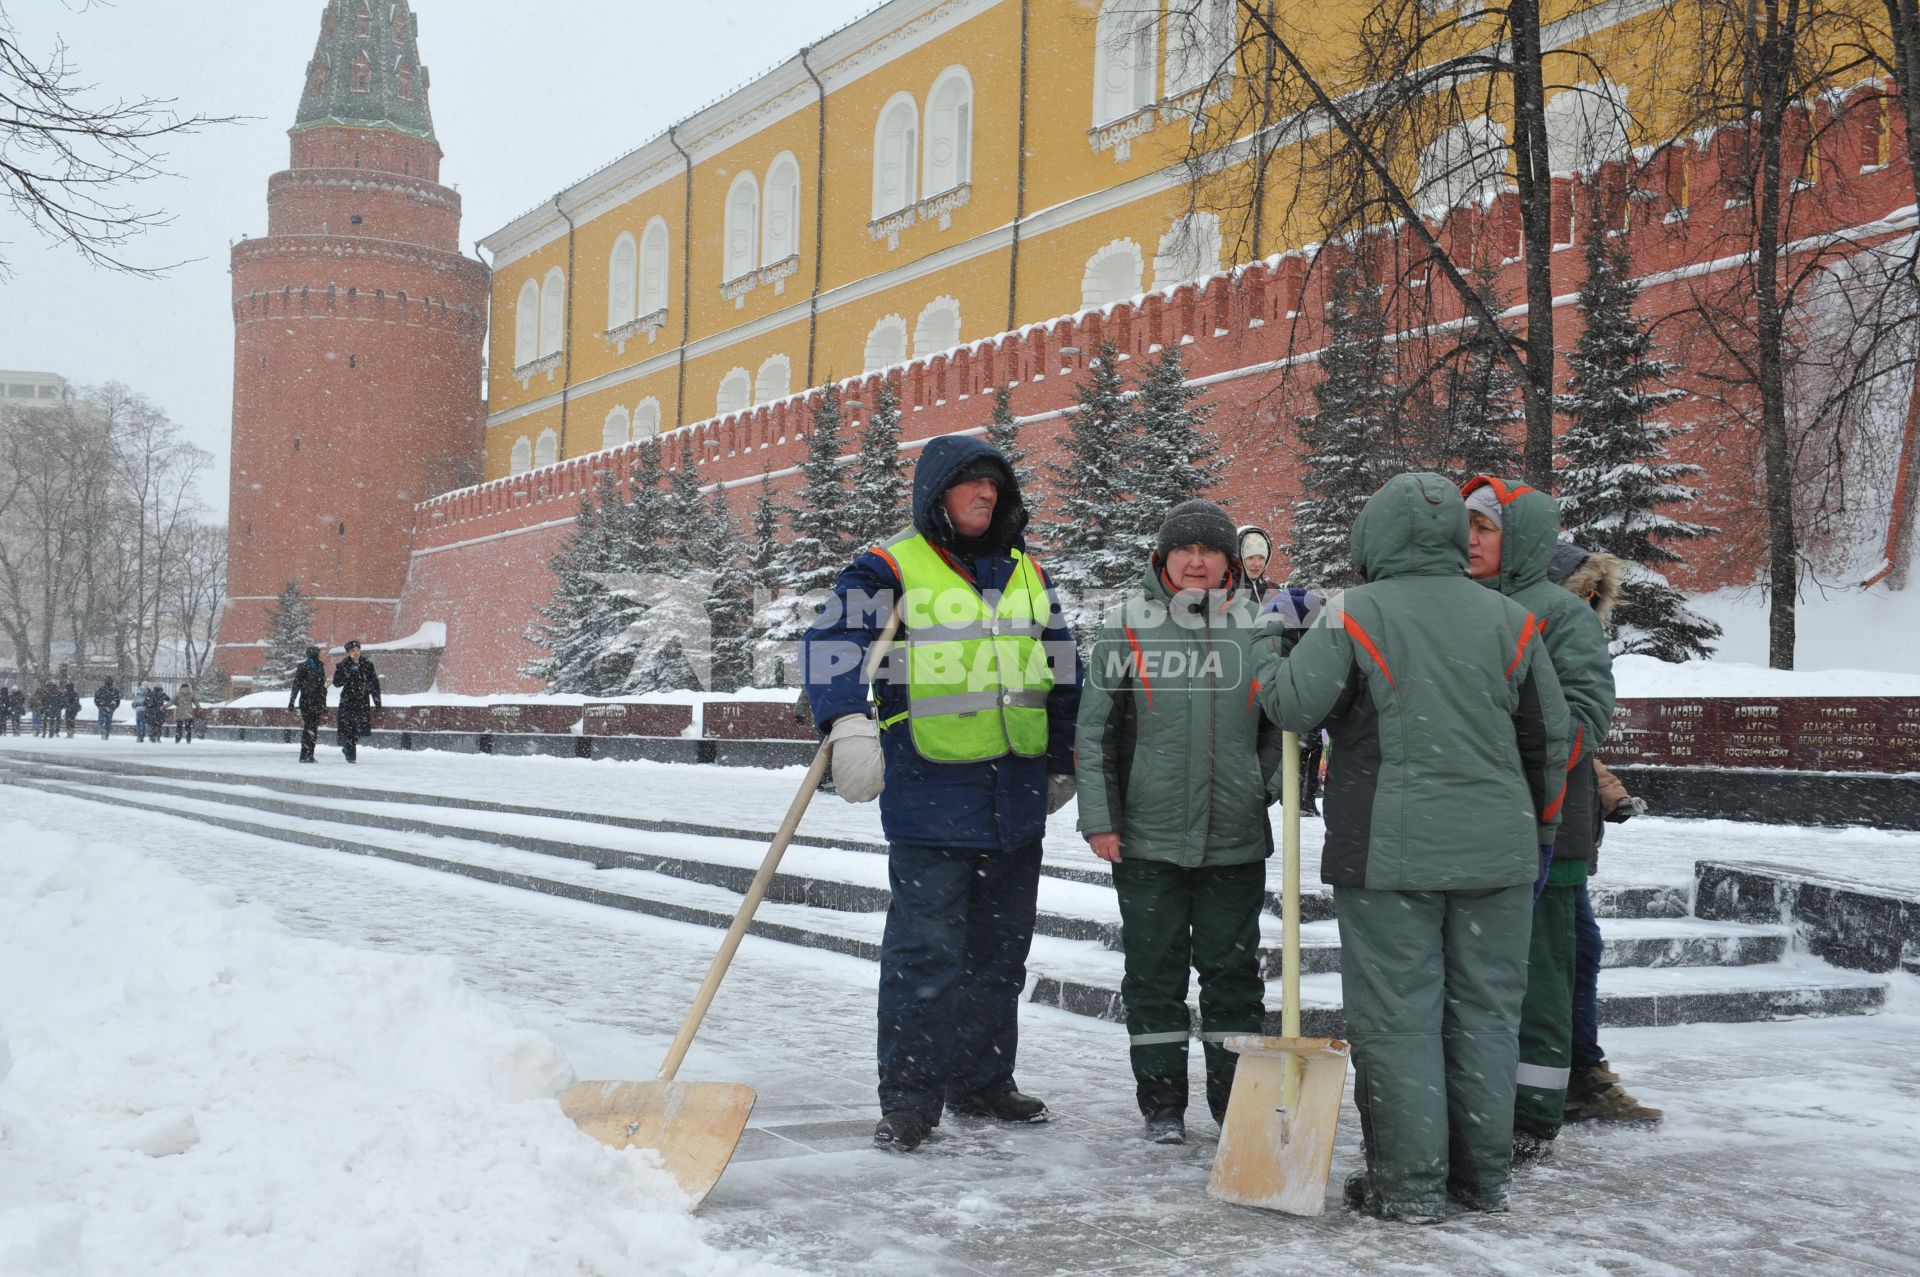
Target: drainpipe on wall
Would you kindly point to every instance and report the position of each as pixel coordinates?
(819, 213)
(1020, 182)
(566, 335)
(486, 372)
(686, 280)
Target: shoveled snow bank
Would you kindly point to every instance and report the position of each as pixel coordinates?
(779, 695)
(188, 1088)
(1644, 676)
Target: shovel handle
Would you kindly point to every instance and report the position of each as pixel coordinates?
(743, 919)
(1290, 907)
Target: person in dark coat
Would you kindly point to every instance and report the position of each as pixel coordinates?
(359, 695)
(17, 707)
(70, 704)
(106, 699)
(157, 701)
(308, 694)
(968, 745)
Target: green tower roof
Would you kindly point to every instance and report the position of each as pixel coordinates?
(366, 70)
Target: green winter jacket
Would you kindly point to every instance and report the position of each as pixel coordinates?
(1172, 752)
(1448, 725)
(1576, 640)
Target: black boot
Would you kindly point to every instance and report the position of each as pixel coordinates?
(1010, 1106)
(901, 1130)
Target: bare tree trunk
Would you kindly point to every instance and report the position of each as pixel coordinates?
(1772, 62)
(1534, 180)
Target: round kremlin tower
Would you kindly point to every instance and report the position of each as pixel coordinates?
(357, 345)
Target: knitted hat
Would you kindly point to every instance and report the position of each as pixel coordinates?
(1485, 501)
(353, 645)
(982, 468)
(1199, 523)
(1254, 540)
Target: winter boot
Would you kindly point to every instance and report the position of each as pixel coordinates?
(1358, 1195)
(1167, 1126)
(1530, 1149)
(901, 1130)
(1010, 1106)
(1595, 1095)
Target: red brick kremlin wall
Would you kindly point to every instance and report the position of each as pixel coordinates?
(1249, 338)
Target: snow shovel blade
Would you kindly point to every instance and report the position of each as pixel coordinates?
(1271, 1157)
(692, 1125)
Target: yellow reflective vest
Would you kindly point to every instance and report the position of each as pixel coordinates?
(977, 675)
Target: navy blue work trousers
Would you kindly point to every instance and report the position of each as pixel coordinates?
(952, 966)
(1587, 950)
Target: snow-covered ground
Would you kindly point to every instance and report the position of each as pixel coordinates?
(233, 1056)
(1835, 629)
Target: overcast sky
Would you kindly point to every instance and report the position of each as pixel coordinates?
(595, 77)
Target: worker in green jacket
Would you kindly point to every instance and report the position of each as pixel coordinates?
(1512, 533)
(1176, 765)
(1449, 756)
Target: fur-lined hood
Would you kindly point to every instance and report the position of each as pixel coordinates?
(1591, 574)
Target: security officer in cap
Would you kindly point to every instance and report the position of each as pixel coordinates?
(308, 694)
(359, 694)
(968, 745)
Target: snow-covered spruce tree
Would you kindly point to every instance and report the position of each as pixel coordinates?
(1094, 543)
(580, 625)
(1349, 443)
(1003, 435)
(875, 506)
(729, 600)
(675, 643)
(767, 577)
(820, 543)
(1617, 476)
(288, 636)
(643, 521)
(1483, 415)
(1173, 458)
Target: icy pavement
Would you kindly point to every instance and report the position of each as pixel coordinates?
(1789, 1148)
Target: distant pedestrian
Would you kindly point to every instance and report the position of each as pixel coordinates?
(46, 705)
(16, 707)
(308, 694)
(1255, 548)
(106, 699)
(186, 712)
(70, 703)
(157, 702)
(359, 694)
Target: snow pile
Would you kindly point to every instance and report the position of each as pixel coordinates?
(187, 1088)
(1644, 676)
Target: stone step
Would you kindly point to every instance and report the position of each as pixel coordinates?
(1076, 907)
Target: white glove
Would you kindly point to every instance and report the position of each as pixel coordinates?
(859, 768)
(1060, 791)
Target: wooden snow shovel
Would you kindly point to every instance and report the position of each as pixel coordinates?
(695, 1126)
(1276, 1146)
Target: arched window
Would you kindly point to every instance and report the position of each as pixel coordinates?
(400, 22)
(1586, 127)
(646, 419)
(887, 343)
(780, 236)
(1112, 275)
(775, 380)
(653, 267)
(743, 226)
(547, 450)
(526, 325)
(362, 73)
(403, 80)
(620, 282)
(939, 327)
(1189, 250)
(895, 148)
(1467, 161)
(520, 460)
(1126, 37)
(1200, 42)
(617, 429)
(949, 161)
(736, 393)
(363, 20)
(553, 312)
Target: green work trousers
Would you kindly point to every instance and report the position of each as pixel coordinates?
(1546, 1017)
(1432, 983)
(1173, 918)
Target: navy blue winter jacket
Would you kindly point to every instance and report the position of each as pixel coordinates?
(993, 804)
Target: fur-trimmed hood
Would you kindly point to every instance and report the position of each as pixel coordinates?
(1591, 574)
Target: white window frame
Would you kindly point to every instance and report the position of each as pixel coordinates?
(546, 449)
(656, 263)
(1131, 50)
(735, 393)
(617, 428)
(520, 459)
(553, 312)
(937, 178)
(1191, 249)
(774, 380)
(782, 199)
(1586, 127)
(893, 330)
(646, 418)
(623, 283)
(929, 340)
(900, 105)
(1199, 44)
(1093, 283)
(526, 325)
(742, 243)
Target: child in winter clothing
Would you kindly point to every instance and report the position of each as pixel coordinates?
(1449, 733)
(1175, 764)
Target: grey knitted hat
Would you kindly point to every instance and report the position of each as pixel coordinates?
(1199, 523)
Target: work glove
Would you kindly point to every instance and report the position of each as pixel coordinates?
(859, 768)
(1626, 809)
(1060, 791)
(1546, 867)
